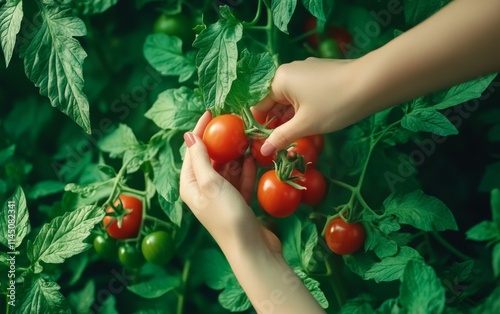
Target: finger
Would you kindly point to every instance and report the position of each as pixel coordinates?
(188, 184)
(202, 123)
(247, 178)
(283, 136)
(261, 109)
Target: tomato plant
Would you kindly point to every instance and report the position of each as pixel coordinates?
(96, 96)
(278, 198)
(158, 247)
(225, 138)
(130, 256)
(128, 225)
(344, 238)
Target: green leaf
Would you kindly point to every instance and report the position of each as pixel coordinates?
(82, 300)
(11, 15)
(358, 305)
(388, 224)
(217, 58)
(428, 120)
(355, 150)
(421, 290)
(490, 179)
(359, 262)
(154, 281)
(309, 237)
(418, 10)
(215, 268)
(7, 153)
(379, 242)
(462, 92)
(490, 305)
(392, 267)
(14, 222)
(234, 299)
(64, 236)
(282, 13)
(53, 60)
(319, 8)
(96, 6)
(164, 54)
(459, 272)
(299, 239)
(173, 210)
(37, 295)
(496, 260)
(254, 72)
(45, 188)
(495, 206)
(119, 141)
(313, 286)
(483, 231)
(166, 173)
(176, 109)
(422, 211)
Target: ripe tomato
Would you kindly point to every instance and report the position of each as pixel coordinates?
(344, 238)
(131, 222)
(279, 199)
(318, 141)
(315, 185)
(158, 247)
(225, 138)
(130, 257)
(105, 247)
(261, 160)
(306, 148)
(342, 37)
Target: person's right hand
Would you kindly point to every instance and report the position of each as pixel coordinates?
(321, 94)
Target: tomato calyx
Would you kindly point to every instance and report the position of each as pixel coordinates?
(289, 169)
(253, 129)
(117, 214)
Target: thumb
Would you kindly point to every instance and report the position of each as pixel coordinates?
(283, 136)
(200, 161)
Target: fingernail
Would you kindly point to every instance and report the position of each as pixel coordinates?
(189, 139)
(267, 149)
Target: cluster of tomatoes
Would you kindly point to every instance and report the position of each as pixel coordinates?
(123, 240)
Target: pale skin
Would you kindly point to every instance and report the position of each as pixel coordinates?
(458, 43)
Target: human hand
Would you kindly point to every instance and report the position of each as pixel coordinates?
(319, 92)
(220, 199)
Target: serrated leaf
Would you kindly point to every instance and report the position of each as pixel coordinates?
(321, 9)
(166, 174)
(176, 109)
(215, 268)
(11, 15)
(14, 222)
(418, 10)
(428, 120)
(358, 305)
(83, 299)
(463, 92)
(421, 290)
(254, 75)
(164, 54)
(119, 141)
(153, 281)
(40, 296)
(173, 210)
(90, 7)
(313, 286)
(234, 299)
(282, 11)
(422, 211)
(388, 224)
(355, 150)
(45, 188)
(379, 243)
(309, 237)
(63, 237)
(392, 268)
(459, 272)
(217, 58)
(490, 305)
(483, 231)
(53, 60)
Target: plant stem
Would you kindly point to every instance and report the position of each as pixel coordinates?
(182, 292)
(343, 184)
(257, 15)
(449, 247)
(336, 284)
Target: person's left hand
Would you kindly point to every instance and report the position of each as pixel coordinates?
(220, 205)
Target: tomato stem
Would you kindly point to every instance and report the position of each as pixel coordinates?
(449, 246)
(182, 292)
(343, 184)
(257, 15)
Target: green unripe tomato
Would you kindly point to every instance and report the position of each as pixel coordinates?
(158, 247)
(105, 247)
(130, 257)
(179, 25)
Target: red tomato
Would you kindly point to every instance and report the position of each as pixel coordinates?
(344, 238)
(225, 138)
(306, 148)
(131, 222)
(315, 185)
(261, 160)
(318, 140)
(341, 36)
(279, 199)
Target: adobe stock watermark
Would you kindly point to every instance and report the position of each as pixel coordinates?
(428, 146)
(123, 106)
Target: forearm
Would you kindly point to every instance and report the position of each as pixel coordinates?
(270, 283)
(458, 43)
